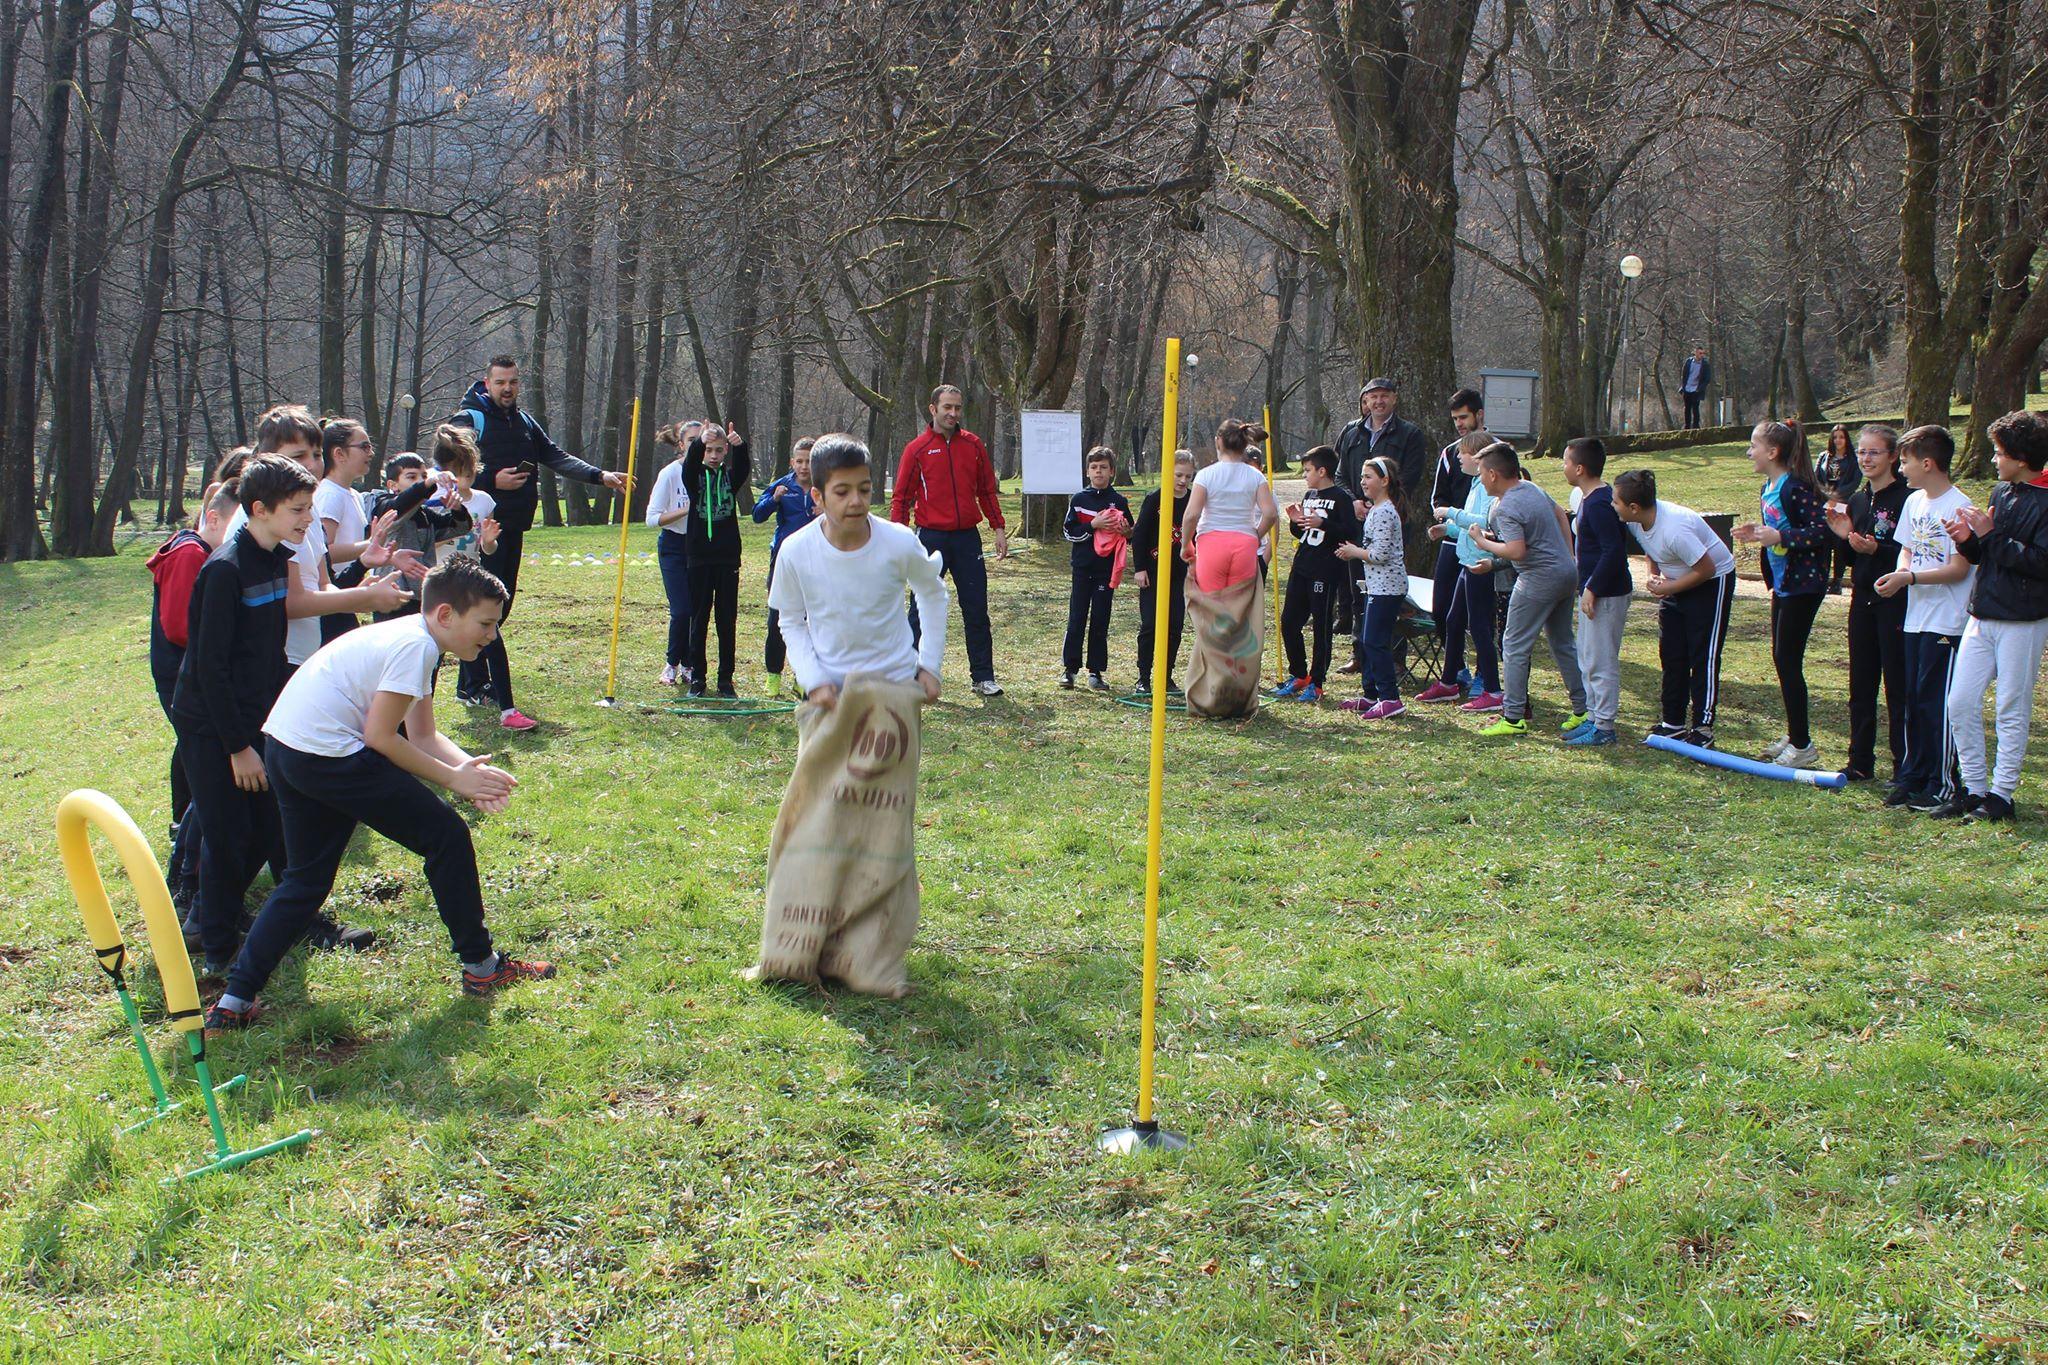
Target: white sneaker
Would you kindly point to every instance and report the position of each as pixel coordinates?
(668, 675)
(988, 687)
(1809, 757)
(1776, 748)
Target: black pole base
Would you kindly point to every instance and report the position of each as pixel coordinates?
(1124, 1141)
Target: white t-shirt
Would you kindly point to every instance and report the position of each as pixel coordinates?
(842, 611)
(668, 495)
(325, 708)
(479, 505)
(301, 634)
(340, 505)
(1232, 489)
(1678, 538)
(1933, 608)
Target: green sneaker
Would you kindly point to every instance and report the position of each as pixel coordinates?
(1572, 722)
(1504, 726)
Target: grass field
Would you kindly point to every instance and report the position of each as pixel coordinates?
(1487, 1050)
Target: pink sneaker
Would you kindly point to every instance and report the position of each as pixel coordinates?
(1485, 701)
(516, 719)
(1386, 710)
(1440, 691)
(1357, 705)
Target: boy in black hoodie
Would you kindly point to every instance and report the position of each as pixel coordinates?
(1096, 508)
(2008, 629)
(716, 469)
(230, 676)
(1325, 518)
(1145, 561)
(425, 518)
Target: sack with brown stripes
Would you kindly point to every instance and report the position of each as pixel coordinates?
(1230, 641)
(842, 863)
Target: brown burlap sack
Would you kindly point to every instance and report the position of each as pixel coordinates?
(1223, 675)
(842, 863)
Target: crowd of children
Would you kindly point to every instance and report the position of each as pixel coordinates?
(294, 723)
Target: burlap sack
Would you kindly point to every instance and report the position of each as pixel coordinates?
(1223, 675)
(842, 863)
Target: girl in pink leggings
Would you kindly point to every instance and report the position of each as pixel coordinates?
(1231, 507)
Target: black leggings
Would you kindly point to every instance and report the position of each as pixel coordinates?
(1310, 602)
(714, 588)
(1791, 626)
(774, 650)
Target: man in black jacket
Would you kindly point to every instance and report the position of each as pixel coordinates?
(1378, 431)
(513, 445)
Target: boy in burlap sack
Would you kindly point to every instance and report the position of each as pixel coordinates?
(1231, 508)
(842, 868)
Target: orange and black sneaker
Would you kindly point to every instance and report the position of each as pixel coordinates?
(221, 1019)
(509, 972)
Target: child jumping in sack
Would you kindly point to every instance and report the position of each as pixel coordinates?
(842, 899)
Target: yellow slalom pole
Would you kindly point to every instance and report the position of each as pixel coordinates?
(1146, 1133)
(1273, 538)
(611, 677)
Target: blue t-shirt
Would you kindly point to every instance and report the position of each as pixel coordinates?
(1772, 500)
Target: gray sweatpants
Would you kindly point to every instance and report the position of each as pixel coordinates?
(2010, 652)
(1545, 605)
(1599, 640)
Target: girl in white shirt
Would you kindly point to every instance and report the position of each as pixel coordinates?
(668, 507)
(1231, 508)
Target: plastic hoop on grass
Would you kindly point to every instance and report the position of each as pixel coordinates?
(1143, 702)
(726, 708)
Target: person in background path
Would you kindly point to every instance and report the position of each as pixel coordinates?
(513, 447)
(1693, 379)
(947, 484)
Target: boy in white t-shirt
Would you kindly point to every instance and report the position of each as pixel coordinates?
(336, 757)
(1936, 581)
(1692, 576)
(839, 585)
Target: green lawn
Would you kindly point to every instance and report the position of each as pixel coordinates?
(1487, 1050)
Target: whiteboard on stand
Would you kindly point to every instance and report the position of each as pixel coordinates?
(1051, 448)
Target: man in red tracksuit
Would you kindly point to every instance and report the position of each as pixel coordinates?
(947, 475)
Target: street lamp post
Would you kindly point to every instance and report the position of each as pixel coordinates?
(407, 403)
(1631, 269)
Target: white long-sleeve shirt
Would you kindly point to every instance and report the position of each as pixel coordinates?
(842, 611)
(668, 496)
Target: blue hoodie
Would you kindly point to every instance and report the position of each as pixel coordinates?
(789, 502)
(1478, 508)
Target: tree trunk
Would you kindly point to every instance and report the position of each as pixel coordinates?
(785, 403)
(373, 409)
(543, 321)
(1288, 286)
(238, 408)
(157, 274)
(2014, 332)
(24, 539)
(582, 227)
(334, 228)
(20, 538)
(1393, 78)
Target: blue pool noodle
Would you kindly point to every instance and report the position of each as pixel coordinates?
(1777, 772)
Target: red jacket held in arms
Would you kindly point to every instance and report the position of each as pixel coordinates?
(953, 483)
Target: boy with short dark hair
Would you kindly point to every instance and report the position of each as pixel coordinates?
(842, 897)
(1145, 563)
(1323, 520)
(1936, 581)
(1098, 526)
(233, 666)
(2008, 626)
(419, 498)
(1692, 576)
(338, 758)
(174, 569)
(1531, 534)
(1604, 588)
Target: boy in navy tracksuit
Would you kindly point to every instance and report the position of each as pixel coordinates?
(1605, 586)
(232, 671)
(788, 500)
(1096, 508)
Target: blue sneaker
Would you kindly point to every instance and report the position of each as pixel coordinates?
(1586, 736)
(1285, 691)
(1310, 694)
(1575, 731)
